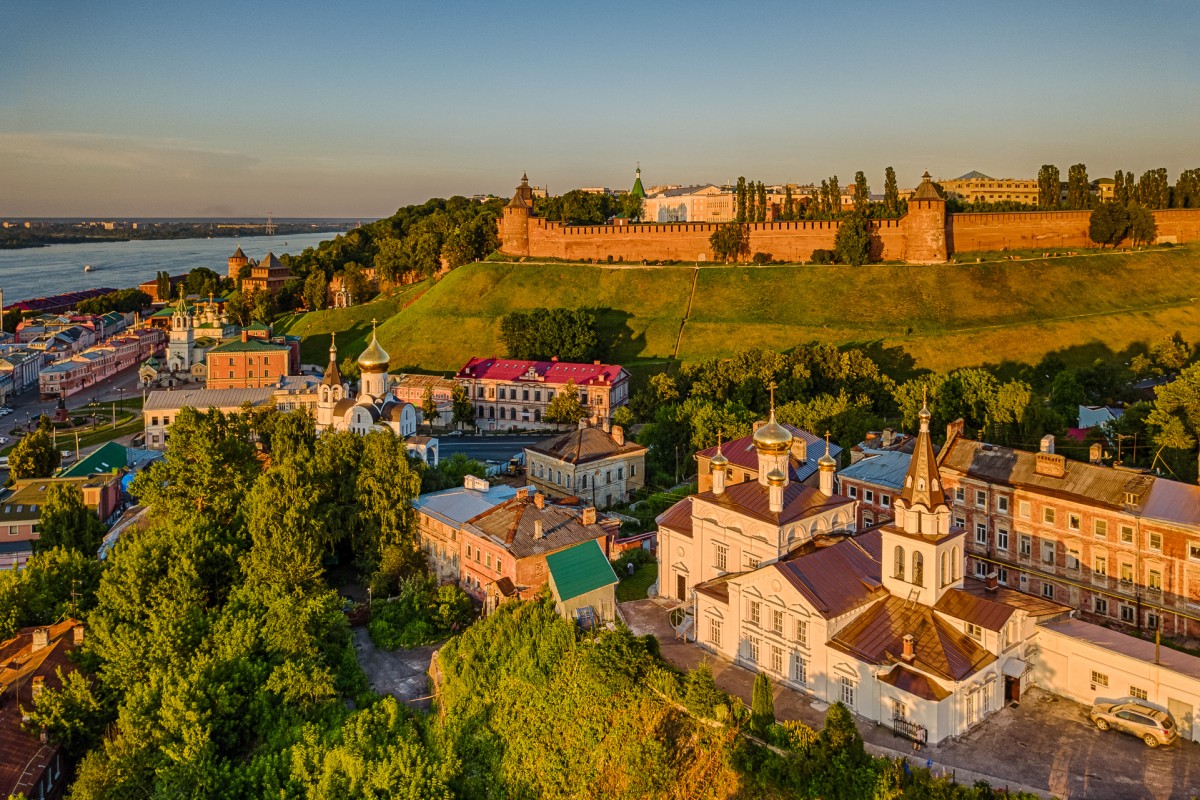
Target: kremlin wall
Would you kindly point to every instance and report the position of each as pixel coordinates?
(925, 235)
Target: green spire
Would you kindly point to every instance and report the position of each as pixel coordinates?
(637, 190)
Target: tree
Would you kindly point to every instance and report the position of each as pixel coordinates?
(162, 285)
(623, 416)
(632, 206)
(1120, 189)
(1176, 414)
(852, 243)
(52, 585)
(789, 203)
(316, 291)
(66, 522)
(72, 715)
(1142, 227)
(464, 412)
(862, 193)
(202, 281)
(429, 409)
(1049, 186)
(729, 242)
(891, 194)
(762, 705)
(238, 307)
(355, 282)
(1079, 193)
(264, 307)
(565, 408)
(349, 368)
(835, 196)
(35, 456)
(1108, 224)
(739, 195)
(541, 334)
(760, 206)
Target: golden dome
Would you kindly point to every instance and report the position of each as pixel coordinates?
(827, 461)
(374, 357)
(772, 437)
(776, 477)
(719, 461)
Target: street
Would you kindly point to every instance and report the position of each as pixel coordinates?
(488, 448)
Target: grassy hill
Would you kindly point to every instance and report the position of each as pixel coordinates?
(997, 313)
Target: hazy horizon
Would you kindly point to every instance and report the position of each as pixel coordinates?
(227, 110)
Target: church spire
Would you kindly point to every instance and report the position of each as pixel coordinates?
(333, 376)
(923, 483)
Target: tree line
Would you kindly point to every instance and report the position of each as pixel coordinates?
(751, 202)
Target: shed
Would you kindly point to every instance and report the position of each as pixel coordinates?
(582, 581)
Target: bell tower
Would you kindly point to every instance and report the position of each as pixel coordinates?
(183, 337)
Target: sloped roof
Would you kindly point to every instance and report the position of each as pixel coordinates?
(926, 191)
(1031, 604)
(582, 445)
(887, 469)
(837, 578)
(974, 608)
(877, 637)
(1173, 502)
(456, 506)
(251, 345)
(741, 453)
(238, 253)
(1093, 483)
(923, 482)
(513, 524)
(580, 569)
(550, 372)
(974, 175)
(914, 683)
(105, 459)
(753, 499)
(678, 517)
(204, 399)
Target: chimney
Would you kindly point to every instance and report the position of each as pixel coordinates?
(909, 648)
(1048, 443)
(606, 425)
(889, 436)
(523, 493)
(539, 500)
(1096, 453)
(618, 435)
(245, 335)
(1051, 465)
(799, 449)
(77, 633)
(537, 529)
(758, 424)
(954, 429)
(589, 515)
(991, 582)
(41, 639)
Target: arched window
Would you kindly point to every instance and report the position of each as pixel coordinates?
(945, 576)
(918, 569)
(899, 558)
(954, 565)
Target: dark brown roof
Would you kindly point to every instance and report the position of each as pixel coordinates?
(513, 524)
(742, 453)
(753, 499)
(584, 444)
(837, 578)
(1031, 604)
(977, 609)
(678, 517)
(19, 664)
(1091, 483)
(926, 191)
(877, 637)
(922, 483)
(718, 588)
(914, 683)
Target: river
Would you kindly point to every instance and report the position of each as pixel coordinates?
(41, 271)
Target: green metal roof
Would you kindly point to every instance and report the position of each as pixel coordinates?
(251, 345)
(580, 569)
(109, 457)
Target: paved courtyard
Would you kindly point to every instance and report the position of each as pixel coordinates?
(401, 673)
(1045, 745)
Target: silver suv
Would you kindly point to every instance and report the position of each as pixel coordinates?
(1152, 726)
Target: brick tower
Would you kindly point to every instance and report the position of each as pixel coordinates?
(514, 226)
(236, 262)
(925, 225)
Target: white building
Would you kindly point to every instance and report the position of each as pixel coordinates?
(375, 408)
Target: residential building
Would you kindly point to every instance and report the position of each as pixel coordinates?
(741, 459)
(409, 388)
(71, 375)
(887, 440)
(441, 516)
(36, 659)
(1104, 189)
(701, 203)
(597, 465)
(247, 363)
(976, 187)
(151, 288)
(582, 583)
(875, 482)
(21, 510)
(108, 458)
(23, 365)
(510, 393)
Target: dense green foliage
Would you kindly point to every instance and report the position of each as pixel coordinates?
(852, 243)
(53, 585)
(565, 407)
(35, 456)
(730, 242)
(568, 334)
(420, 613)
(578, 207)
(67, 523)
(122, 300)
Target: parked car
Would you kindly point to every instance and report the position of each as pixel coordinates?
(3, 462)
(1152, 726)
(3, 440)
(449, 434)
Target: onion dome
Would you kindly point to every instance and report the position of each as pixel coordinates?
(719, 461)
(776, 477)
(374, 358)
(826, 461)
(772, 437)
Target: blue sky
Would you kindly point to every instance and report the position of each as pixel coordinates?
(354, 109)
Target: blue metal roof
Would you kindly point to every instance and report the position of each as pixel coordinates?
(886, 470)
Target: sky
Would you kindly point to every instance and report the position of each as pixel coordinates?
(348, 109)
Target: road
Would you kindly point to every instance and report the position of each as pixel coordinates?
(487, 448)
(28, 405)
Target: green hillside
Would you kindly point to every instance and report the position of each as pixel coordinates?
(944, 316)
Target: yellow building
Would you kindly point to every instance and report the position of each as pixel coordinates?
(975, 187)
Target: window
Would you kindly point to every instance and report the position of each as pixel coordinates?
(1156, 541)
(1024, 508)
(974, 631)
(981, 569)
(478, 552)
(980, 498)
(1126, 572)
(1138, 693)
(755, 612)
(1048, 591)
(755, 646)
(777, 622)
(1048, 515)
(1100, 528)
(1100, 606)
(1100, 566)
(981, 533)
(802, 632)
(583, 481)
(752, 561)
(848, 693)
(899, 566)
(154, 421)
(799, 668)
(1154, 580)
(499, 568)
(1152, 621)
(960, 521)
(501, 395)
(1002, 575)
(468, 551)
(1126, 613)
(1072, 559)
(869, 496)
(1074, 521)
(524, 394)
(722, 557)
(489, 560)
(852, 491)
(1194, 551)
(1002, 504)
(776, 660)
(632, 470)
(1047, 552)
(1126, 534)
(918, 577)
(1099, 678)
(714, 632)
(959, 494)
(1001, 538)
(899, 710)
(885, 500)
(620, 473)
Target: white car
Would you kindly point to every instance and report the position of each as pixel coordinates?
(3, 440)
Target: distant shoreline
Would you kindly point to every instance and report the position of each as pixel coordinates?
(32, 240)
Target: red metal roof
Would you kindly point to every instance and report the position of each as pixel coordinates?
(555, 373)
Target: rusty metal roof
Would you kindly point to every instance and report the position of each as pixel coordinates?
(513, 523)
(837, 578)
(753, 499)
(982, 611)
(678, 517)
(742, 454)
(915, 683)
(1173, 502)
(584, 444)
(1031, 604)
(1092, 483)
(877, 637)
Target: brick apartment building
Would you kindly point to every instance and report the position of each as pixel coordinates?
(248, 363)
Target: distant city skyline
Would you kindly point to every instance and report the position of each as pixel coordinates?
(240, 110)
